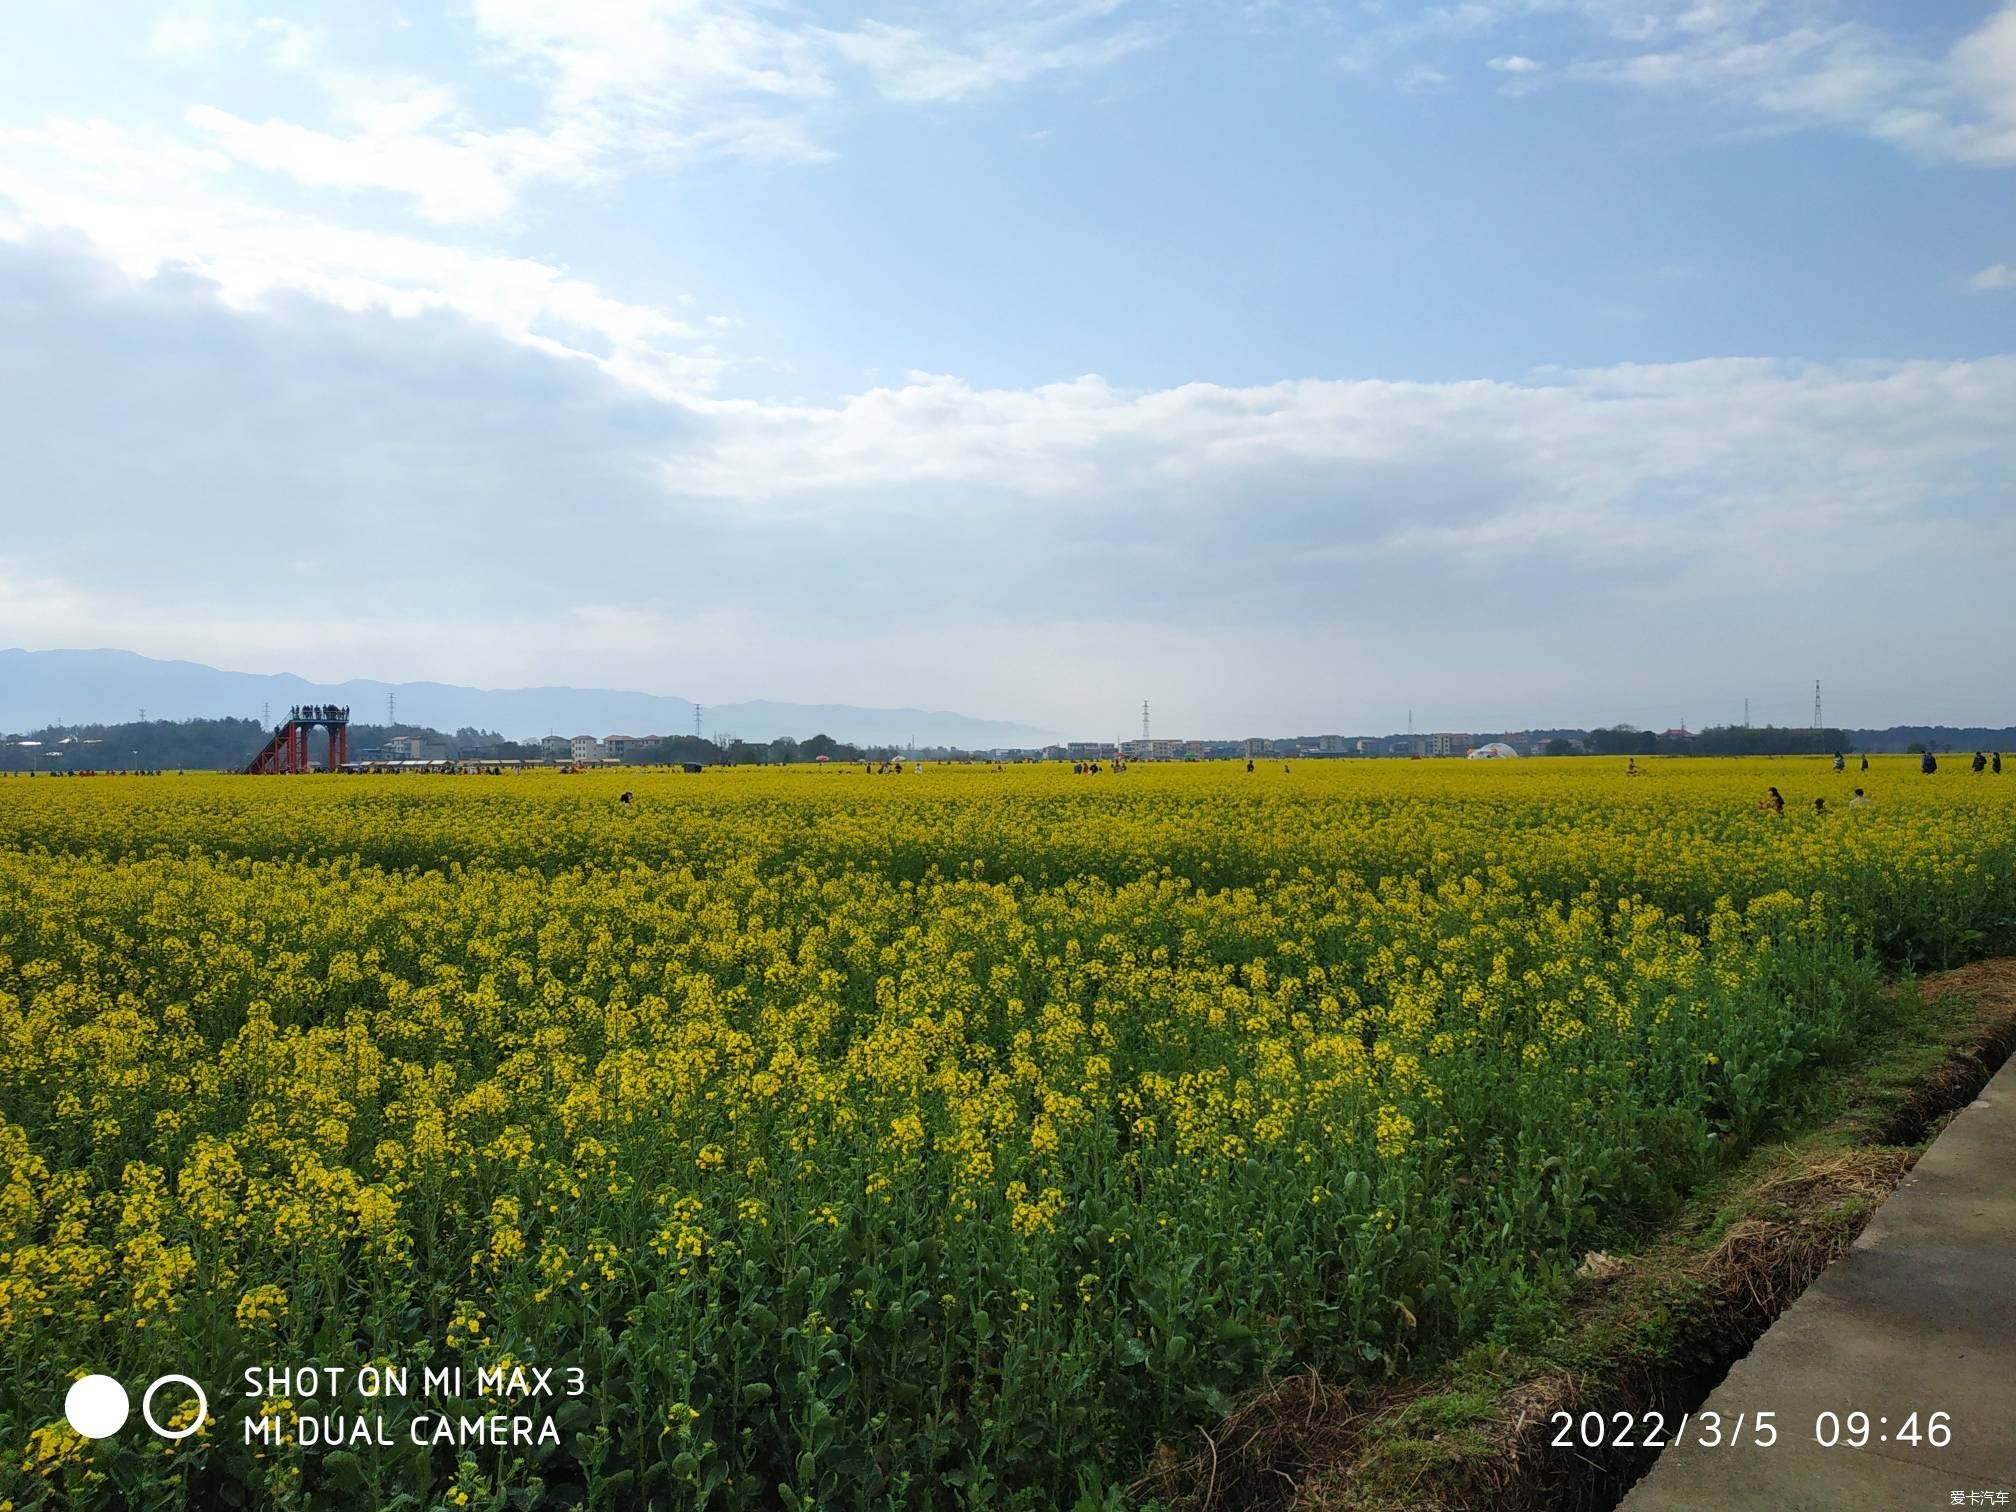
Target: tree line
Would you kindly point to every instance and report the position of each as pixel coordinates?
(1721, 740)
(228, 744)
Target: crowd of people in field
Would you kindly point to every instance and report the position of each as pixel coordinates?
(1773, 801)
(94, 772)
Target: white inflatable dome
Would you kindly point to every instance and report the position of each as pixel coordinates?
(1497, 750)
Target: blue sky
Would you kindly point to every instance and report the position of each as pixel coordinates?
(1544, 361)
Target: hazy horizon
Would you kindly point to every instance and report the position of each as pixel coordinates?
(1124, 730)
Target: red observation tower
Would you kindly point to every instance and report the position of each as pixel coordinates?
(286, 750)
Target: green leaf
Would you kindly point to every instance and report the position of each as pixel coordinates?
(344, 1470)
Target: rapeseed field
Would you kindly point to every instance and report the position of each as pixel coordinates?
(840, 1140)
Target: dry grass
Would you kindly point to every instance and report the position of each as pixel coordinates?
(1802, 1218)
(1260, 1455)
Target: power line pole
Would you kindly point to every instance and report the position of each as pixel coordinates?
(1746, 713)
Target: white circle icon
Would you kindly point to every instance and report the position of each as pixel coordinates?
(147, 1406)
(96, 1406)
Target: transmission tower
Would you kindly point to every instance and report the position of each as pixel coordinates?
(696, 721)
(1816, 703)
(1144, 727)
(391, 708)
(1746, 713)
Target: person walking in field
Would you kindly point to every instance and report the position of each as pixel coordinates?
(1980, 763)
(1996, 765)
(1775, 803)
(1820, 808)
(1840, 762)
(1860, 800)
(1865, 761)
(1928, 763)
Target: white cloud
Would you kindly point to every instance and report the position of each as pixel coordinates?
(146, 209)
(638, 80)
(473, 178)
(635, 81)
(913, 67)
(1797, 62)
(1239, 540)
(1688, 457)
(1996, 276)
(1960, 107)
(660, 58)
(394, 132)
(619, 84)
(194, 31)
(1983, 67)
(97, 157)
(645, 78)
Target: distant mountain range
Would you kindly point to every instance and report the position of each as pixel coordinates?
(40, 688)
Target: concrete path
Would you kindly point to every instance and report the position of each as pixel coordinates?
(1918, 1317)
